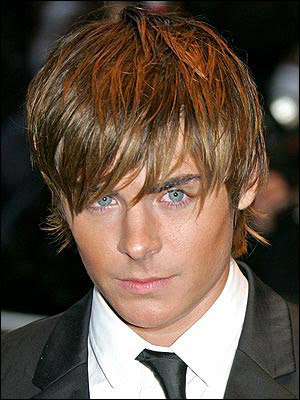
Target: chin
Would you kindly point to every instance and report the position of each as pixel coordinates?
(145, 317)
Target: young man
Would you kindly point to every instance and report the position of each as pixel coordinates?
(148, 132)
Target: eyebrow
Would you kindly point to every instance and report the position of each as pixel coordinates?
(174, 182)
(169, 184)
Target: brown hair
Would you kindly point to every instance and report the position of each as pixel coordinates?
(111, 99)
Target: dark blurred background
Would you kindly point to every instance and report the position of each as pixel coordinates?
(264, 34)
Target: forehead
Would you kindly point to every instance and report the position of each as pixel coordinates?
(180, 163)
(179, 174)
(178, 157)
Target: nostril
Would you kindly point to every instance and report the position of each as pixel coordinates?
(139, 246)
(138, 251)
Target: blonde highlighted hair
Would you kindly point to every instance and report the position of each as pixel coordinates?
(115, 95)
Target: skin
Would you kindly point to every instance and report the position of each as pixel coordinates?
(158, 238)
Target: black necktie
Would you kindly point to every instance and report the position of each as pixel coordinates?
(169, 369)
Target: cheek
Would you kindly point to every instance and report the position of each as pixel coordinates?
(95, 245)
(206, 241)
(91, 234)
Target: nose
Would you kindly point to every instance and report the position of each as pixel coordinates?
(140, 237)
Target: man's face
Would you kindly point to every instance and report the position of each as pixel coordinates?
(160, 264)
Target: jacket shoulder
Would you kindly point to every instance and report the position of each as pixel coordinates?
(34, 355)
(294, 315)
(20, 353)
(291, 381)
(30, 336)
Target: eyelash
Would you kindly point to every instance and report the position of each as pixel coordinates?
(179, 204)
(168, 204)
(99, 208)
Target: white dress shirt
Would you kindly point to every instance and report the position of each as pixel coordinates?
(207, 347)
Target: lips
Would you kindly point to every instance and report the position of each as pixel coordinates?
(143, 280)
(144, 285)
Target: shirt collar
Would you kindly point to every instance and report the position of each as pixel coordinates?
(213, 339)
(202, 347)
(114, 344)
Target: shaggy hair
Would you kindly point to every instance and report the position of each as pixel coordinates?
(116, 96)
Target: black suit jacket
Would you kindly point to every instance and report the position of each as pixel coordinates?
(47, 359)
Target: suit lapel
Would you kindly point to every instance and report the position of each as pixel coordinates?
(265, 351)
(72, 385)
(62, 369)
(249, 381)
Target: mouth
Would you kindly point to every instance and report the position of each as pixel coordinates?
(144, 286)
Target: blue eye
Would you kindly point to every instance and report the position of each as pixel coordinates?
(176, 195)
(105, 201)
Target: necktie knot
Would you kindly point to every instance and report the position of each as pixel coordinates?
(169, 369)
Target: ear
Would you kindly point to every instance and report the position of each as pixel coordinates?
(248, 197)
